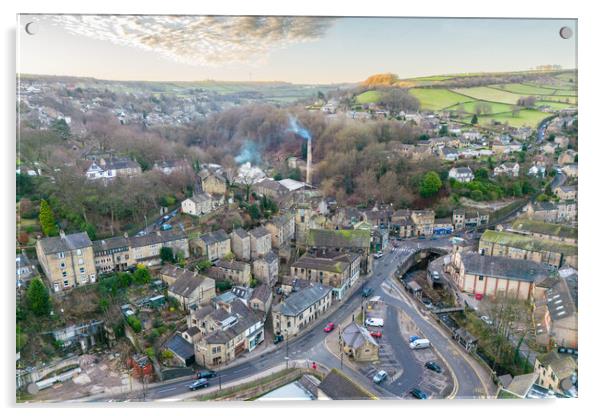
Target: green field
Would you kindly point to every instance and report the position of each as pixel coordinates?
(559, 98)
(529, 118)
(555, 105)
(571, 93)
(524, 89)
(470, 107)
(489, 94)
(368, 97)
(437, 98)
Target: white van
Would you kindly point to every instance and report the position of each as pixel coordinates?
(375, 322)
(420, 343)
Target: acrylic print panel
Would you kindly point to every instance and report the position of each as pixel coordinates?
(295, 208)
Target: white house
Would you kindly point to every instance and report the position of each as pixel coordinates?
(200, 204)
(462, 174)
(508, 170)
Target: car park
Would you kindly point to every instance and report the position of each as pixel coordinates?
(380, 377)
(199, 384)
(329, 327)
(419, 394)
(375, 322)
(433, 366)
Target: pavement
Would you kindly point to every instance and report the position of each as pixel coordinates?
(310, 346)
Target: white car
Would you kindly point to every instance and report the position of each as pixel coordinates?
(375, 322)
(487, 320)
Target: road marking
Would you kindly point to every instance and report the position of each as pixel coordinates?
(166, 390)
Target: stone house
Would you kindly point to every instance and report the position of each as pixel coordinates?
(213, 246)
(112, 254)
(146, 249)
(235, 271)
(552, 368)
(201, 203)
(265, 268)
(261, 299)
(423, 222)
(461, 174)
(565, 193)
(358, 344)
(213, 182)
(192, 290)
(241, 244)
(261, 241)
(282, 229)
(67, 260)
(300, 309)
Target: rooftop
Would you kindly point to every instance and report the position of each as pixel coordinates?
(338, 386)
(214, 237)
(528, 242)
(339, 238)
(301, 300)
(505, 267)
(540, 227)
(65, 242)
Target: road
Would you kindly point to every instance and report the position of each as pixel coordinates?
(310, 345)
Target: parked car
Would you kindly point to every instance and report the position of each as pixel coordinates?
(435, 275)
(433, 366)
(380, 376)
(206, 374)
(487, 320)
(278, 338)
(199, 384)
(378, 255)
(420, 344)
(166, 227)
(329, 327)
(375, 322)
(419, 394)
(414, 338)
(376, 334)
(367, 292)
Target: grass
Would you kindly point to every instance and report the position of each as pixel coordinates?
(555, 105)
(528, 243)
(529, 118)
(559, 98)
(470, 107)
(437, 98)
(489, 94)
(368, 97)
(523, 89)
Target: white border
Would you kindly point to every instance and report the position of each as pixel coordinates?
(590, 167)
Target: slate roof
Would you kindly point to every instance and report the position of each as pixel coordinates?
(110, 244)
(157, 237)
(231, 265)
(186, 285)
(339, 238)
(540, 227)
(180, 347)
(68, 242)
(562, 365)
(528, 242)
(463, 171)
(301, 300)
(262, 293)
(176, 272)
(338, 386)
(241, 233)
(259, 232)
(330, 264)
(245, 318)
(559, 300)
(200, 197)
(120, 163)
(505, 267)
(214, 237)
(355, 336)
(520, 385)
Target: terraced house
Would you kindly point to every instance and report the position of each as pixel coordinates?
(344, 241)
(112, 254)
(540, 229)
(146, 249)
(337, 270)
(518, 246)
(282, 229)
(67, 260)
(213, 246)
(300, 309)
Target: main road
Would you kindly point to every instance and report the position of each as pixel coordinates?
(310, 345)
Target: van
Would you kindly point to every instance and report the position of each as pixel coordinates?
(420, 343)
(375, 322)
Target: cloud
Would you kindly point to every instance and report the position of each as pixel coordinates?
(199, 40)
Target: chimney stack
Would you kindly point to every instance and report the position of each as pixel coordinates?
(308, 170)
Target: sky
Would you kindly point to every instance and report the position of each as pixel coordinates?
(304, 50)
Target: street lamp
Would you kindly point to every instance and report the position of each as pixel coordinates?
(286, 336)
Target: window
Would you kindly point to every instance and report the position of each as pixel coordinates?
(82, 270)
(56, 287)
(79, 252)
(62, 265)
(80, 261)
(61, 255)
(64, 274)
(65, 283)
(480, 278)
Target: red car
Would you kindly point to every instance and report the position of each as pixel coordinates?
(329, 327)
(376, 334)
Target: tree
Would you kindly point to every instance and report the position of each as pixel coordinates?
(135, 323)
(142, 275)
(166, 254)
(60, 127)
(430, 184)
(474, 120)
(203, 265)
(47, 221)
(38, 299)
